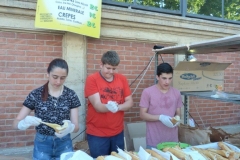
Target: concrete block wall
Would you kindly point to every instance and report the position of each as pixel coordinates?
(24, 58)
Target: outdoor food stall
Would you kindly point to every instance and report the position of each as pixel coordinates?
(196, 144)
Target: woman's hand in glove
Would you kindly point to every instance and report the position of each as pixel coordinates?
(28, 121)
(69, 129)
(166, 120)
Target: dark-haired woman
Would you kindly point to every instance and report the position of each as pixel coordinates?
(52, 103)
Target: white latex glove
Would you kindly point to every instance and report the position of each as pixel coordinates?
(166, 120)
(67, 130)
(28, 121)
(112, 106)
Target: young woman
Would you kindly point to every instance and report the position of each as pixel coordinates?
(52, 103)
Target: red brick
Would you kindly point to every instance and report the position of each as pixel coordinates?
(3, 40)
(94, 41)
(15, 64)
(26, 47)
(34, 53)
(24, 138)
(7, 46)
(103, 47)
(27, 60)
(25, 36)
(54, 43)
(35, 42)
(7, 81)
(92, 46)
(44, 48)
(57, 48)
(31, 87)
(109, 42)
(14, 87)
(22, 93)
(123, 43)
(24, 81)
(25, 70)
(16, 41)
(6, 139)
(34, 76)
(2, 134)
(7, 34)
(15, 99)
(58, 37)
(11, 110)
(117, 48)
(15, 76)
(7, 104)
(53, 54)
(30, 64)
(3, 52)
(30, 143)
(16, 144)
(44, 37)
(44, 59)
(16, 52)
(40, 82)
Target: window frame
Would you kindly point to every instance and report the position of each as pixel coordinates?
(181, 12)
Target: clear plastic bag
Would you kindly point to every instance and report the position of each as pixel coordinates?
(218, 92)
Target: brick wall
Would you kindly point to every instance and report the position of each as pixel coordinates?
(216, 113)
(134, 58)
(24, 58)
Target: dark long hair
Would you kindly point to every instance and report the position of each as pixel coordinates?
(58, 62)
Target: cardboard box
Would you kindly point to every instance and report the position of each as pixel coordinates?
(198, 76)
(137, 132)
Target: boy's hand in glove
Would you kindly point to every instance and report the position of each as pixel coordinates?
(112, 106)
(70, 128)
(28, 121)
(166, 120)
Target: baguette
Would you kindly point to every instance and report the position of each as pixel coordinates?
(224, 147)
(117, 155)
(211, 155)
(234, 154)
(220, 152)
(207, 154)
(155, 154)
(178, 153)
(56, 127)
(134, 157)
(100, 158)
(175, 119)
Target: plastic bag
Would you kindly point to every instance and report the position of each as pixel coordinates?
(191, 122)
(193, 135)
(75, 156)
(218, 92)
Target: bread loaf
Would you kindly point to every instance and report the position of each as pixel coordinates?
(117, 155)
(175, 119)
(155, 154)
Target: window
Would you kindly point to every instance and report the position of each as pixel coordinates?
(218, 10)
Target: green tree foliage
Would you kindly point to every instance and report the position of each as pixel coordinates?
(203, 7)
